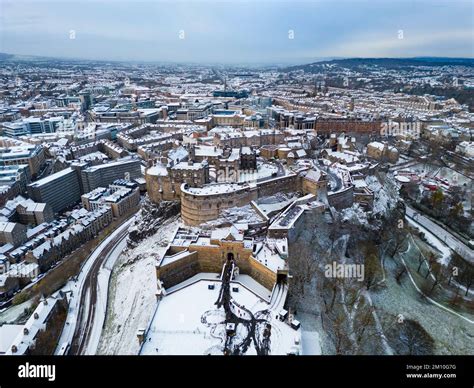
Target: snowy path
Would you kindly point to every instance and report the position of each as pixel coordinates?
(378, 325)
(434, 242)
(450, 240)
(439, 245)
(431, 300)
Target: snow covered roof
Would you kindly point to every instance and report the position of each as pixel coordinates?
(346, 157)
(215, 188)
(229, 233)
(39, 251)
(246, 151)
(377, 145)
(52, 177)
(359, 183)
(157, 170)
(300, 153)
(7, 227)
(35, 323)
(314, 175)
(190, 166)
(204, 150)
(7, 334)
(3, 279)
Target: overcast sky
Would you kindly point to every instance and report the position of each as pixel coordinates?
(237, 31)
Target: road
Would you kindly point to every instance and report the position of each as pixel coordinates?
(449, 239)
(89, 293)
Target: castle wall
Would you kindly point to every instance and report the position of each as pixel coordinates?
(178, 271)
(211, 258)
(197, 208)
(285, 184)
(342, 199)
(200, 208)
(160, 188)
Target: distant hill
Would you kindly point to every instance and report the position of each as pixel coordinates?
(317, 65)
(389, 63)
(5, 57)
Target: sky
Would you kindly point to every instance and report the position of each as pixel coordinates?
(236, 31)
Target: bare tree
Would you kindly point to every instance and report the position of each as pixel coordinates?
(400, 273)
(372, 269)
(421, 260)
(467, 278)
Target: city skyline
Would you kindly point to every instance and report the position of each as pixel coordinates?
(237, 32)
(236, 178)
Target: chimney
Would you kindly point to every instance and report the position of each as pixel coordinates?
(141, 335)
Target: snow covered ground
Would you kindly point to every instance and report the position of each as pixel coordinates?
(355, 215)
(275, 203)
(452, 334)
(453, 177)
(188, 322)
(443, 236)
(11, 314)
(244, 214)
(310, 342)
(132, 293)
(434, 242)
(245, 280)
(383, 201)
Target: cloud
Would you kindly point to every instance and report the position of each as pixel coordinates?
(235, 30)
(405, 43)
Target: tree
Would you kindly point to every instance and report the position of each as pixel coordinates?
(457, 194)
(437, 198)
(467, 278)
(394, 233)
(341, 339)
(456, 211)
(303, 264)
(400, 273)
(431, 261)
(364, 325)
(410, 338)
(372, 269)
(456, 298)
(436, 270)
(329, 285)
(421, 259)
(410, 190)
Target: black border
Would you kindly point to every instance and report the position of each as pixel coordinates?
(316, 371)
